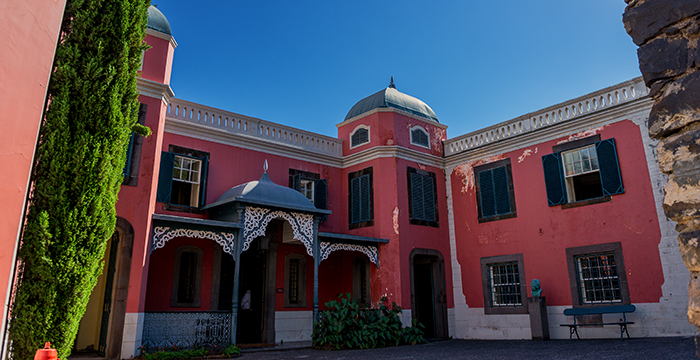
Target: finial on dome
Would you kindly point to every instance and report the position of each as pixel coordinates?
(265, 166)
(391, 85)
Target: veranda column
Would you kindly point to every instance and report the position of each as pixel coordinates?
(317, 260)
(236, 282)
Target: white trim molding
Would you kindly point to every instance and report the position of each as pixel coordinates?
(356, 129)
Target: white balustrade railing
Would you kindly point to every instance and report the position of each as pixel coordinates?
(584, 105)
(240, 124)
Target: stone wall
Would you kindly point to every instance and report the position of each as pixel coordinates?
(667, 33)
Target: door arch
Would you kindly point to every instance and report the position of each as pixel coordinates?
(428, 291)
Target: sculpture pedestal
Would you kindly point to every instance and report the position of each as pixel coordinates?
(539, 324)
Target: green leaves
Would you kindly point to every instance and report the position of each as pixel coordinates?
(348, 325)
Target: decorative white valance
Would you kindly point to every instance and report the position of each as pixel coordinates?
(257, 219)
(162, 234)
(371, 251)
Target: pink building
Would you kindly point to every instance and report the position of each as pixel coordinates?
(233, 228)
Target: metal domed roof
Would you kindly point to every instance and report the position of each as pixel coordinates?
(266, 193)
(390, 97)
(157, 21)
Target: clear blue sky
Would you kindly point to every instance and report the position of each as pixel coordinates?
(476, 63)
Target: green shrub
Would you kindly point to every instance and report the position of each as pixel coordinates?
(175, 352)
(348, 325)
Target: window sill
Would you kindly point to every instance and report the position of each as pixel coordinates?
(182, 208)
(498, 217)
(434, 224)
(576, 204)
(506, 310)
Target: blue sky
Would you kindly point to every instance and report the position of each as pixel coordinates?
(476, 63)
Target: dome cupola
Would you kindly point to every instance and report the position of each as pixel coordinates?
(392, 98)
(157, 21)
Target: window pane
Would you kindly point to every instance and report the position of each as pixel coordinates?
(594, 163)
(567, 158)
(577, 156)
(505, 284)
(598, 279)
(176, 173)
(577, 167)
(586, 165)
(195, 165)
(569, 169)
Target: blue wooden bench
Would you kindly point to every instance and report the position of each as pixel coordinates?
(615, 309)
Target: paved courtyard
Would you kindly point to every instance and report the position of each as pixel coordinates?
(647, 348)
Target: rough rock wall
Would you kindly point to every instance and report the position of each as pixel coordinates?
(667, 33)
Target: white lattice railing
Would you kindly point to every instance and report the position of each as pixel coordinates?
(240, 124)
(584, 105)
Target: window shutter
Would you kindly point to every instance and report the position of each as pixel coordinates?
(428, 198)
(320, 195)
(203, 181)
(366, 200)
(501, 192)
(355, 200)
(488, 201)
(609, 167)
(129, 152)
(554, 179)
(296, 182)
(417, 205)
(165, 177)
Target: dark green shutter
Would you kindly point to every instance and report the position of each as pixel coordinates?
(129, 152)
(500, 189)
(488, 201)
(610, 178)
(165, 177)
(366, 199)
(554, 179)
(321, 195)
(203, 181)
(296, 182)
(428, 198)
(355, 200)
(417, 205)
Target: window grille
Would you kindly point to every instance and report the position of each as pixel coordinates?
(505, 284)
(293, 281)
(360, 137)
(598, 279)
(419, 137)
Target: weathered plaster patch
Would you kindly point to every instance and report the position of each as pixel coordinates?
(525, 154)
(396, 220)
(583, 134)
(465, 172)
(438, 135)
(421, 166)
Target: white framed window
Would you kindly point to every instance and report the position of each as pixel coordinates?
(581, 173)
(420, 137)
(307, 188)
(597, 275)
(186, 180)
(359, 136)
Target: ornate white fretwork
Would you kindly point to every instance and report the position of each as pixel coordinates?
(371, 251)
(162, 234)
(256, 220)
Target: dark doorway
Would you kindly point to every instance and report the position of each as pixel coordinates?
(226, 281)
(251, 306)
(428, 297)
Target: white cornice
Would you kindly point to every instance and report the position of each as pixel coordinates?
(155, 89)
(163, 36)
(185, 128)
(614, 114)
(390, 109)
(393, 151)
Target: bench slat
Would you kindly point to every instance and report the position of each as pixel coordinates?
(615, 309)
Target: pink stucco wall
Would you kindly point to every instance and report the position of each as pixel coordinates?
(29, 32)
(542, 233)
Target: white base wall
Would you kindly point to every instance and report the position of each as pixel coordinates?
(133, 331)
(293, 325)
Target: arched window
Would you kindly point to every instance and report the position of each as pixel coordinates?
(420, 137)
(359, 136)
